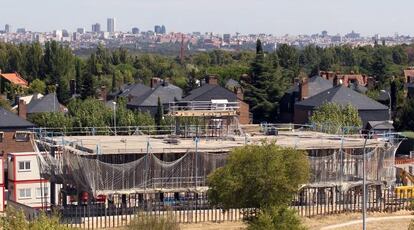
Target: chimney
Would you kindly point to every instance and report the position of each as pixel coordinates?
(239, 93)
(22, 109)
(103, 93)
(154, 82)
(212, 80)
(303, 89)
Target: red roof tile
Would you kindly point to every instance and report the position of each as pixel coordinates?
(15, 78)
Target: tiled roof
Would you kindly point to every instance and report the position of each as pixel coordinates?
(166, 92)
(316, 85)
(11, 120)
(209, 92)
(48, 103)
(15, 78)
(343, 96)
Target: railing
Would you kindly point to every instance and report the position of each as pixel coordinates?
(203, 106)
(195, 207)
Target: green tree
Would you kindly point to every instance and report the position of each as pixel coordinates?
(404, 119)
(37, 86)
(160, 113)
(259, 176)
(87, 89)
(335, 118)
(5, 103)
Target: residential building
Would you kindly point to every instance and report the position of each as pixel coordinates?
(299, 91)
(11, 78)
(110, 25)
(8, 28)
(135, 30)
(80, 30)
(368, 109)
(15, 135)
(213, 91)
(148, 102)
(25, 184)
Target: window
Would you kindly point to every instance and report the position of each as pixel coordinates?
(24, 165)
(25, 193)
(44, 190)
(21, 136)
(1, 136)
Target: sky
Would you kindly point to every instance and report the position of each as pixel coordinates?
(368, 17)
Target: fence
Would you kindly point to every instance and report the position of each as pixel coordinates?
(310, 202)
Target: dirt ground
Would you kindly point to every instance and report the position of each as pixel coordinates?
(320, 222)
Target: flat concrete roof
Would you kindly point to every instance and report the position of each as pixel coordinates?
(305, 140)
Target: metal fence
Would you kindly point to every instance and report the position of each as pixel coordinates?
(310, 202)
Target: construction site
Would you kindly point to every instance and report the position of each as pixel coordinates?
(95, 164)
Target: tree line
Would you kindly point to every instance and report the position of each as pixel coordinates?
(265, 75)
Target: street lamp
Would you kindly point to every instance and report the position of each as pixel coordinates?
(364, 180)
(114, 103)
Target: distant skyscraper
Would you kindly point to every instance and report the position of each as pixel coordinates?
(7, 28)
(226, 38)
(110, 25)
(163, 30)
(80, 30)
(157, 29)
(96, 28)
(135, 30)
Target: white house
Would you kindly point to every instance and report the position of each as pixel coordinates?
(25, 184)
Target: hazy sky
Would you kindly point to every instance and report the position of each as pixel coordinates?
(278, 17)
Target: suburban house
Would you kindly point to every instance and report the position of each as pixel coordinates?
(299, 91)
(147, 101)
(25, 185)
(348, 79)
(14, 133)
(212, 91)
(46, 104)
(368, 109)
(11, 79)
(129, 91)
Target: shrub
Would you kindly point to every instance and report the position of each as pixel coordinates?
(152, 222)
(281, 218)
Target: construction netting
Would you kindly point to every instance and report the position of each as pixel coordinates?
(345, 166)
(98, 175)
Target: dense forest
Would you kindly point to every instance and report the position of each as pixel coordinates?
(265, 76)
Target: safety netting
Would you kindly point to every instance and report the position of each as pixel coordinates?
(103, 174)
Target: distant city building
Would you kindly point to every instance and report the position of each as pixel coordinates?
(160, 29)
(135, 30)
(21, 30)
(8, 28)
(110, 25)
(226, 38)
(58, 34)
(324, 33)
(96, 28)
(353, 35)
(65, 33)
(336, 38)
(80, 30)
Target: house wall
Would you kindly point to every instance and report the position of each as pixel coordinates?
(301, 115)
(35, 200)
(9, 143)
(15, 174)
(244, 117)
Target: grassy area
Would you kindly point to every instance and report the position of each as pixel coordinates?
(408, 134)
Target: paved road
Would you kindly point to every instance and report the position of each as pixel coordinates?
(370, 219)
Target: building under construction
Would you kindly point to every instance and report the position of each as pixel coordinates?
(176, 160)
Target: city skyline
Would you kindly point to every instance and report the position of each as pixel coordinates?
(264, 16)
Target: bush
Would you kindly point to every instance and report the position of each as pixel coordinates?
(281, 218)
(15, 219)
(151, 222)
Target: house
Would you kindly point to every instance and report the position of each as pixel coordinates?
(368, 109)
(27, 99)
(300, 91)
(130, 91)
(148, 101)
(378, 127)
(11, 79)
(46, 104)
(348, 79)
(14, 133)
(212, 91)
(25, 184)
